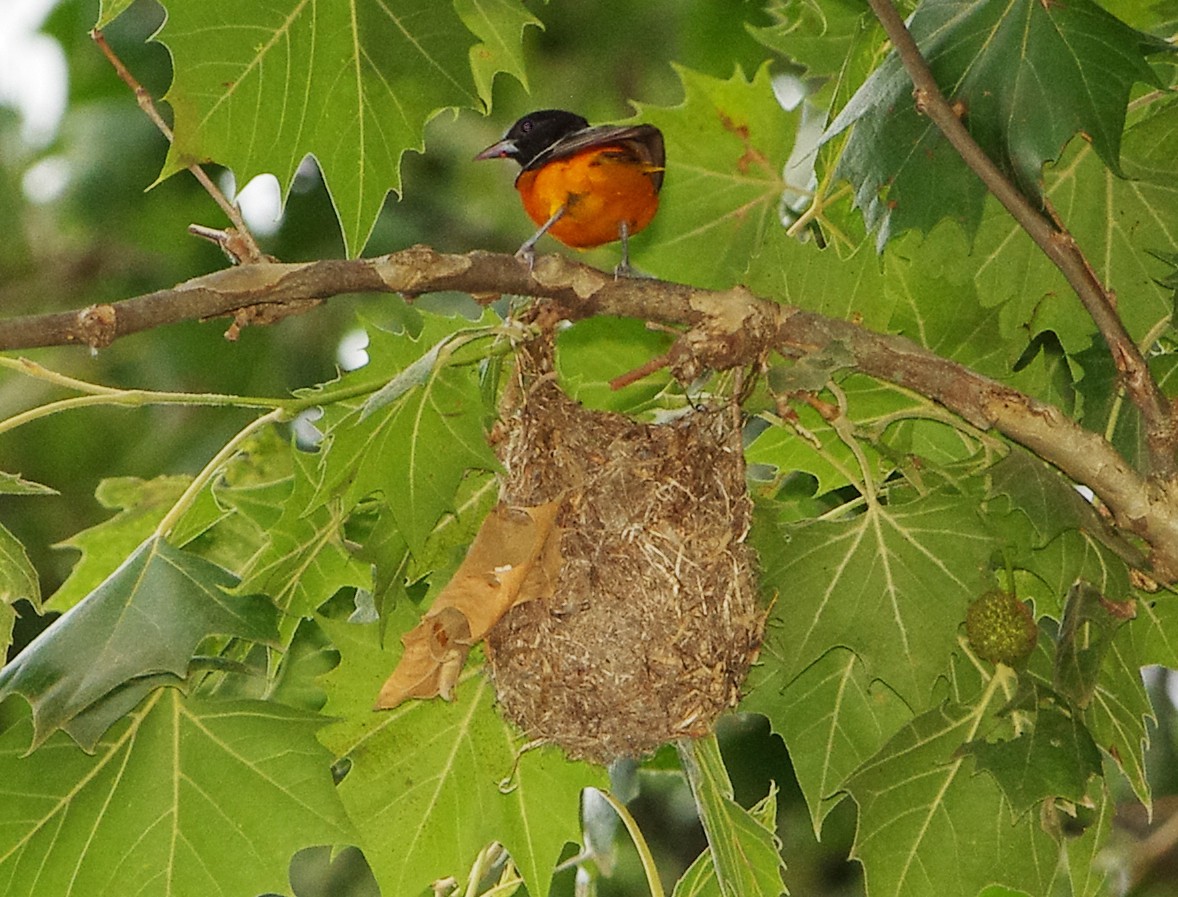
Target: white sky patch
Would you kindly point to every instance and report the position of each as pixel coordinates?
(33, 76)
(260, 202)
(352, 352)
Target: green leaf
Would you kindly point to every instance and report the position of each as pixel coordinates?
(928, 828)
(499, 25)
(799, 273)
(185, 796)
(432, 782)
(1052, 756)
(141, 504)
(146, 618)
(305, 561)
(13, 484)
(819, 36)
(259, 87)
(595, 351)
(879, 584)
(1073, 62)
(726, 146)
(1117, 223)
(745, 853)
(1151, 145)
(1120, 709)
(832, 717)
(1085, 634)
(18, 581)
(415, 450)
(700, 878)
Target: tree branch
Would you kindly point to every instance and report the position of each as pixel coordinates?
(724, 329)
(1057, 244)
(238, 243)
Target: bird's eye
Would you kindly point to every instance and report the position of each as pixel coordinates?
(526, 125)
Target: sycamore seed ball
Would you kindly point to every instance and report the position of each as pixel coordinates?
(1001, 628)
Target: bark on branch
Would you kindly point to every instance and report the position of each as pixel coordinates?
(722, 329)
(1056, 242)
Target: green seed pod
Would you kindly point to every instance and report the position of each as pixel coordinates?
(1001, 628)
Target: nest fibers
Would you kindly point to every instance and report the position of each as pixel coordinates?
(654, 621)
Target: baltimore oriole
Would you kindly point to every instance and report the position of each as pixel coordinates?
(584, 185)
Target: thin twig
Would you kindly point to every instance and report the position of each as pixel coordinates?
(1056, 243)
(245, 240)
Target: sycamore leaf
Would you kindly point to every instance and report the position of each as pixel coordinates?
(1052, 756)
(1073, 62)
(415, 450)
(431, 783)
(819, 36)
(745, 853)
(141, 504)
(1120, 708)
(929, 828)
(258, 87)
(700, 878)
(304, 561)
(1085, 634)
(831, 717)
(184, 796)
(18, 580)
(146, 618)
(879, 584)
(727, 144)
(14, 484)
(514, 558)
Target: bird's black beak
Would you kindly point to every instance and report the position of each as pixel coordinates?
(504, 149)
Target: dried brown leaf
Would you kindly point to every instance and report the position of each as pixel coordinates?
(514, 558)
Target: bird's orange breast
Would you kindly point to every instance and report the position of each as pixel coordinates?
(600, 188)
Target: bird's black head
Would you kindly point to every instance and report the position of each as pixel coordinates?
(533, 134)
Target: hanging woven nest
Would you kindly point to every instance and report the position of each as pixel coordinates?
(654, 622)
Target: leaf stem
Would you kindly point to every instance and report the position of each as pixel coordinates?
(98, 395)
(1056, 242)
(648, 865)
(211, 469)
(245, 240)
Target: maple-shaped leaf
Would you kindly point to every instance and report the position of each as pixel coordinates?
(1052, 755)
(1029, 76)
(431, 783)
(304, 561)
(411, 445)
(146, 618)
(832, 718)
(878, 583)
(1120, 709)
(18, 576)
(184, 796)
(141, 504)
(727, 144)
(929, 827)
(258, 87)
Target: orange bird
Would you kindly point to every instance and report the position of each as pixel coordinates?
(584, 185)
